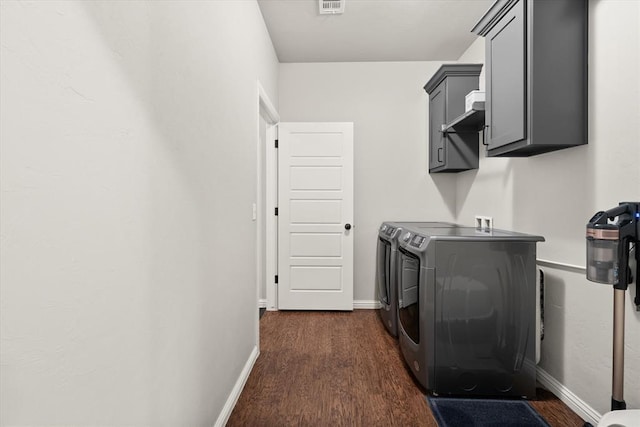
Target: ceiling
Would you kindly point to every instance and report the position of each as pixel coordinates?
(372, 30)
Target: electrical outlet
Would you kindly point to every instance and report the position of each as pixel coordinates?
(484, 223)
(487, 222)
(478, 222)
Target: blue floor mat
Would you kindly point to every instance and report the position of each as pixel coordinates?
(461, 412)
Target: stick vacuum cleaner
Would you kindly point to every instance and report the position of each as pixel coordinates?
(611, 235)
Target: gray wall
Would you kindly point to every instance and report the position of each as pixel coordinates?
(387, 104)
(128, 164)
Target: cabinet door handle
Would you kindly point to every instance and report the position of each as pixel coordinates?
(439, 151)
(485, 129)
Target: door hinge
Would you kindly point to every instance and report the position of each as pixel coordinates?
(276, 213)
(276, 141)
(276, 278)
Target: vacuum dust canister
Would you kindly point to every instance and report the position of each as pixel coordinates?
(603, 242)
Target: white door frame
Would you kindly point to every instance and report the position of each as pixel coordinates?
(269, 176)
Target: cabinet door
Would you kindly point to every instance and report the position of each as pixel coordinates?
(506, 79)
(437, 105)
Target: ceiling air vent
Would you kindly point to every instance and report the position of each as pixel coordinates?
(331, 7)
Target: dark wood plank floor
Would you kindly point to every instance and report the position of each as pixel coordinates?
(339, 369)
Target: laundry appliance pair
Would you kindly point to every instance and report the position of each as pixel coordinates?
(466, 308)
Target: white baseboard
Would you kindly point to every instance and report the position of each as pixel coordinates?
(366, 304)
(357, 304)
(237, 389)
(578, 405)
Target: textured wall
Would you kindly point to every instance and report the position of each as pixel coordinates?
(128, 172)
(555, 194)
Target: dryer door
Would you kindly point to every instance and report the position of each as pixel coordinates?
(383, 271)
(409, 289)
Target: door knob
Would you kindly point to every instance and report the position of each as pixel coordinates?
(347, 226)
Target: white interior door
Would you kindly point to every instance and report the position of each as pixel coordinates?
(315, 211)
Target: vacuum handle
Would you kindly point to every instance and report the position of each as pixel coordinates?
(636, 300)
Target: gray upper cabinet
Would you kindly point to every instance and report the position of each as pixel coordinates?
(536, 76)
(453, 150)
(436, 119)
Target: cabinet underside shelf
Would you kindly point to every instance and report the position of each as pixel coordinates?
(470, 121)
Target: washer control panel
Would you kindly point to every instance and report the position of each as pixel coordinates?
(417, 241)
(388, 230)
